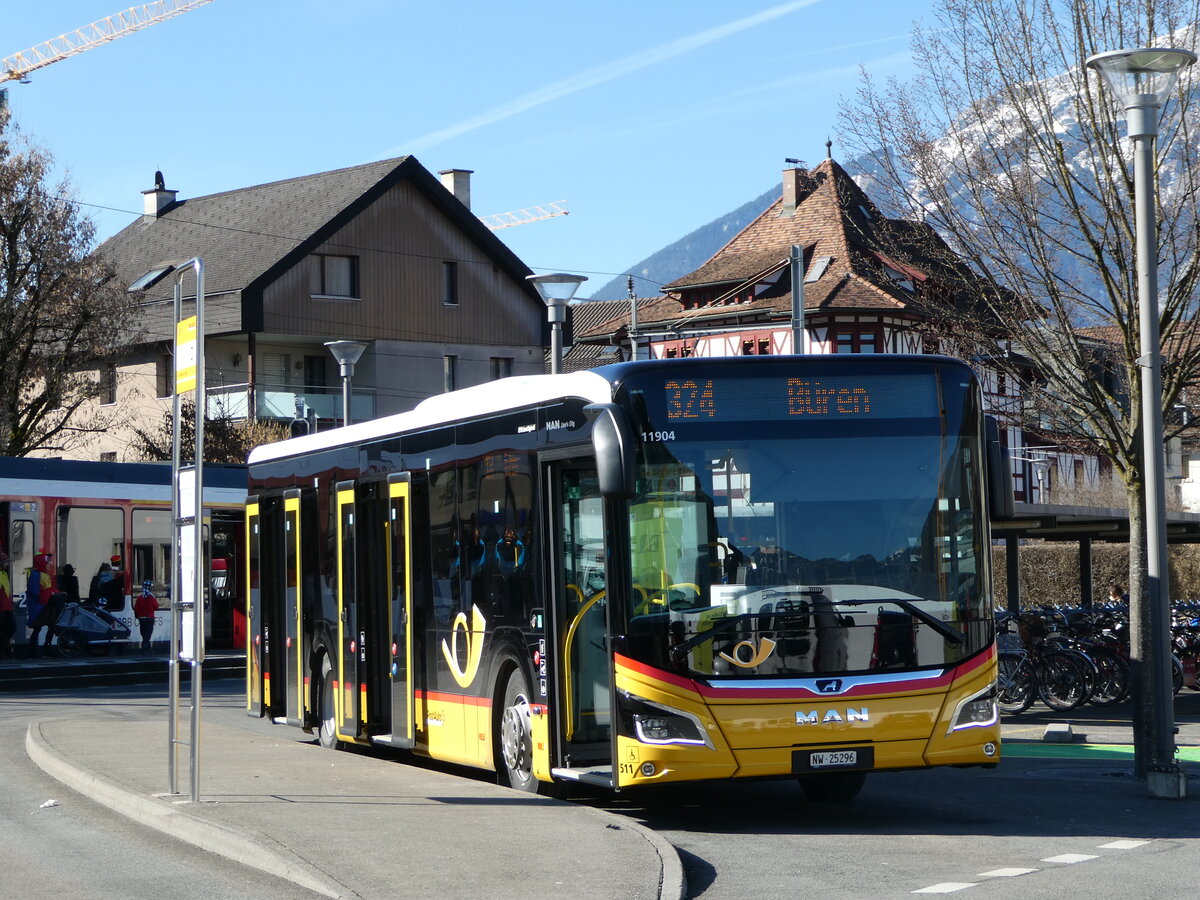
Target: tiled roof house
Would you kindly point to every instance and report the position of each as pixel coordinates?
(858, 297)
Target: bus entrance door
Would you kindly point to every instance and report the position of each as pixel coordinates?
(255, 703)
(291, 657)
(273, 588)
(584, 685)
(395, 621)
(346, 693)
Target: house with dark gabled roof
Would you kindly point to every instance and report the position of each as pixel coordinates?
(383, 253)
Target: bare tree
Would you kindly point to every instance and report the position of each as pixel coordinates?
(1011, 151)
(62, 316)
(226, 440)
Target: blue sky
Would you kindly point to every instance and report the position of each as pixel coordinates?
(648, 118)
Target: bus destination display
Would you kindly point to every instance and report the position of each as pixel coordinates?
(737, 399)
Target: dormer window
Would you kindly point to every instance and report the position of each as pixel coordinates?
(900, 278)
(153, 276)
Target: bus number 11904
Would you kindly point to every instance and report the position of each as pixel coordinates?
(657, 437)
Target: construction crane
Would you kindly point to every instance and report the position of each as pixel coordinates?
(18, 66)
(525, 216)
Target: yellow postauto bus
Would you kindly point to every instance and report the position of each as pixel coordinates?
(650, 572)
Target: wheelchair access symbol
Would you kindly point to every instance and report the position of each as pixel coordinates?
(757, 656)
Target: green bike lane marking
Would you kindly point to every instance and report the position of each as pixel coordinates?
(1039, 750)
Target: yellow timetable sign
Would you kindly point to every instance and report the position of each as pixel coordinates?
(185, 355)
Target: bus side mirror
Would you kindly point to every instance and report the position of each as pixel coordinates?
(999, 474)
(612, 439)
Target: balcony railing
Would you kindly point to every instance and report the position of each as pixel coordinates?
(274, 401)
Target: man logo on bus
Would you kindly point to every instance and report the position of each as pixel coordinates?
(474, 638)
(757, 657)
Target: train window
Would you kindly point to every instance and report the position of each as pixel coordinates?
(87, 537)
(152, 549)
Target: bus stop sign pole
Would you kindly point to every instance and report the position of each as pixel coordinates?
(187, 518)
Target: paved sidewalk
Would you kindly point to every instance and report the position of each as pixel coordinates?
(353, 825)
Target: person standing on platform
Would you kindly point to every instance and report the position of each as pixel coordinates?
(145, 607)
(37, 600)
(68, 583)
(115, 595)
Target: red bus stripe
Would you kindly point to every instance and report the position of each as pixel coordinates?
(461, 699)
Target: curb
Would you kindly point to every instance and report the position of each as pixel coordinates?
(245, 847)
(673, 883)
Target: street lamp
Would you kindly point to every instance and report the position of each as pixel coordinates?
(1142, 80)
(556, 289)
(346, 353)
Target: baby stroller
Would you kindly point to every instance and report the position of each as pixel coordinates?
(86, 627)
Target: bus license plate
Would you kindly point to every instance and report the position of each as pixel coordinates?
(833, 758)
(824, 760)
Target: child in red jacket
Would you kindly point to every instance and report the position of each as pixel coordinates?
(144, 609)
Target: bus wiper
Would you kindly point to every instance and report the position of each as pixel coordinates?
(947, 631)
(732, 622)
(700, 637)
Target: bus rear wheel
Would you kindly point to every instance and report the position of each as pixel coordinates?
(832, 787)
(327, 733)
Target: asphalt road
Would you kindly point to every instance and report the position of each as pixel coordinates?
(57, 843)
(1030, 828)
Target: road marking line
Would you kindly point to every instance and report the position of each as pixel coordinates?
(1122, 845)
(1067, 858)
(1006, 873)
(946, 887)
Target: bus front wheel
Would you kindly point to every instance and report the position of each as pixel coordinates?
(833, 787)
(327, 735)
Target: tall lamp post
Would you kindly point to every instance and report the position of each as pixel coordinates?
(1142, 80)
(556, 290)
(347, 354)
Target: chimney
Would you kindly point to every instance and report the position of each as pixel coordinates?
(792, 181)
(458, 182)
(798, 184)
(157, 199)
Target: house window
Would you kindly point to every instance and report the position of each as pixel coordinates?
(164, 382)
(501, 367)
(333, 276)
(108, 384)
(450, 283)
(857, 341)
(450, 372)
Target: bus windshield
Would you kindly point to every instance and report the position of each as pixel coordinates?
(811, 542)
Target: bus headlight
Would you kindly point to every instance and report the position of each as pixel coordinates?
(654, 723)
(979, 710)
